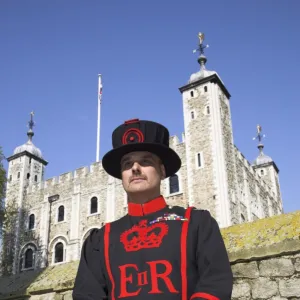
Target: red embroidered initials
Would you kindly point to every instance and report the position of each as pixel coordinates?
(145, 236)
(142, 278)
(163, 276)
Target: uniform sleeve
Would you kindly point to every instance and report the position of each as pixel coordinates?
(215, 279)
(90, 281)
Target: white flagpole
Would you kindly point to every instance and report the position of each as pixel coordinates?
(98, 120)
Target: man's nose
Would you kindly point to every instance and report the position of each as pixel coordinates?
(136, 167)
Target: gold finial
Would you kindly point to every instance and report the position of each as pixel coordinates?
(201, 37)
(259, 129)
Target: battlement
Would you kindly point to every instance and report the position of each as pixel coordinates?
(66, 177)
(174, 140)
(250, 168)
(81, 172)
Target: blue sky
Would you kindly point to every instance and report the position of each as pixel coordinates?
(52, 51)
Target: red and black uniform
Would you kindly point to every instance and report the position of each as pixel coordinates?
(151, 253)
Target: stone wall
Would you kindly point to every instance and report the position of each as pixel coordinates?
(265, 259)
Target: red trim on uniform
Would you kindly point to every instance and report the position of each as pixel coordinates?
(106, 254)
(204, 296)
(183, 249)
(138, 210)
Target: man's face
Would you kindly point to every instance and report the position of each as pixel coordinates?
(141, 172)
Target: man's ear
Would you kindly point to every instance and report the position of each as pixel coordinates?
(162, 172)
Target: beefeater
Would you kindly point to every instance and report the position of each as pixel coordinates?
(155, 251)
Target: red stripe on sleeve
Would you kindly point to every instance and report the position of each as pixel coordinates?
(183, 253)
(106, 254)
(204, 296)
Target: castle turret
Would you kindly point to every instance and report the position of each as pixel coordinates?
(209, 141)
(25, 167)
(268, 170)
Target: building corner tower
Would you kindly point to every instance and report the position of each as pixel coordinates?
(25, 167)
(265, 167)
(210, 157)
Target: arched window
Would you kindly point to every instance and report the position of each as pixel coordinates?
(59, 252)
(94, 205)
(174, 184)
(192, 94)
(28, 259)
(61, 213)
(205, 89)
(31, 221)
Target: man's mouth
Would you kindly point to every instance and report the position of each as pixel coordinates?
(137, 179)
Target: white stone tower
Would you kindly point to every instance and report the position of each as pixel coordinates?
(210, 156)
(268, 170)
(25, 166)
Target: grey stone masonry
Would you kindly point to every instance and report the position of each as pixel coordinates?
(273, 278)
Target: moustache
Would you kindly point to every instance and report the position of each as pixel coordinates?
(137, 177)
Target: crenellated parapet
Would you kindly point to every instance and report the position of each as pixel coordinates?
(259, 180)
(68, 177)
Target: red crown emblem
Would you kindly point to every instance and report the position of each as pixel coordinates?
(142, 236)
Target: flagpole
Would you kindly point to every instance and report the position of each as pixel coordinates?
(98, 119)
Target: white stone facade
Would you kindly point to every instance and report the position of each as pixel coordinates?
(214, 176)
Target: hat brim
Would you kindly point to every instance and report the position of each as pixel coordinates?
(111, 161)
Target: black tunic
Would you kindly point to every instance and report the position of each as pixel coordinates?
(137, 258)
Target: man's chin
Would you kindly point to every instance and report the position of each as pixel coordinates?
(137, 189)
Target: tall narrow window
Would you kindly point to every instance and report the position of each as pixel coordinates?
(10, 178)
(94, 205)
(174, 184)
(205, 89)
(243, 218)
(192, 94)
(35, 178)
(192, 115)
(61, 213)
(28, 258)
(28, 175)
(262, 172)
(199, 160)
(207, 110)
(59, 252)
(18, 175)
(31, 221)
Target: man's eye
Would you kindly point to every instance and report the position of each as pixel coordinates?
(126, 165)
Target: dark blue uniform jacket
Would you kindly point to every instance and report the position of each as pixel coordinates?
(155, 252)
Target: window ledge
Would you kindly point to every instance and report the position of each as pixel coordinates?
(27, 269)
(175, 194)
(58, 263)
(94, 214)
(60, 222)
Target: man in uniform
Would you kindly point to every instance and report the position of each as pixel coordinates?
(154, 251)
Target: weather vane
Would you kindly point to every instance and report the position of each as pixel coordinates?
(31, 122)
(201, 46)
(259, 136)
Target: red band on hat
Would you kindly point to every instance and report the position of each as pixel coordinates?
(132, 121)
